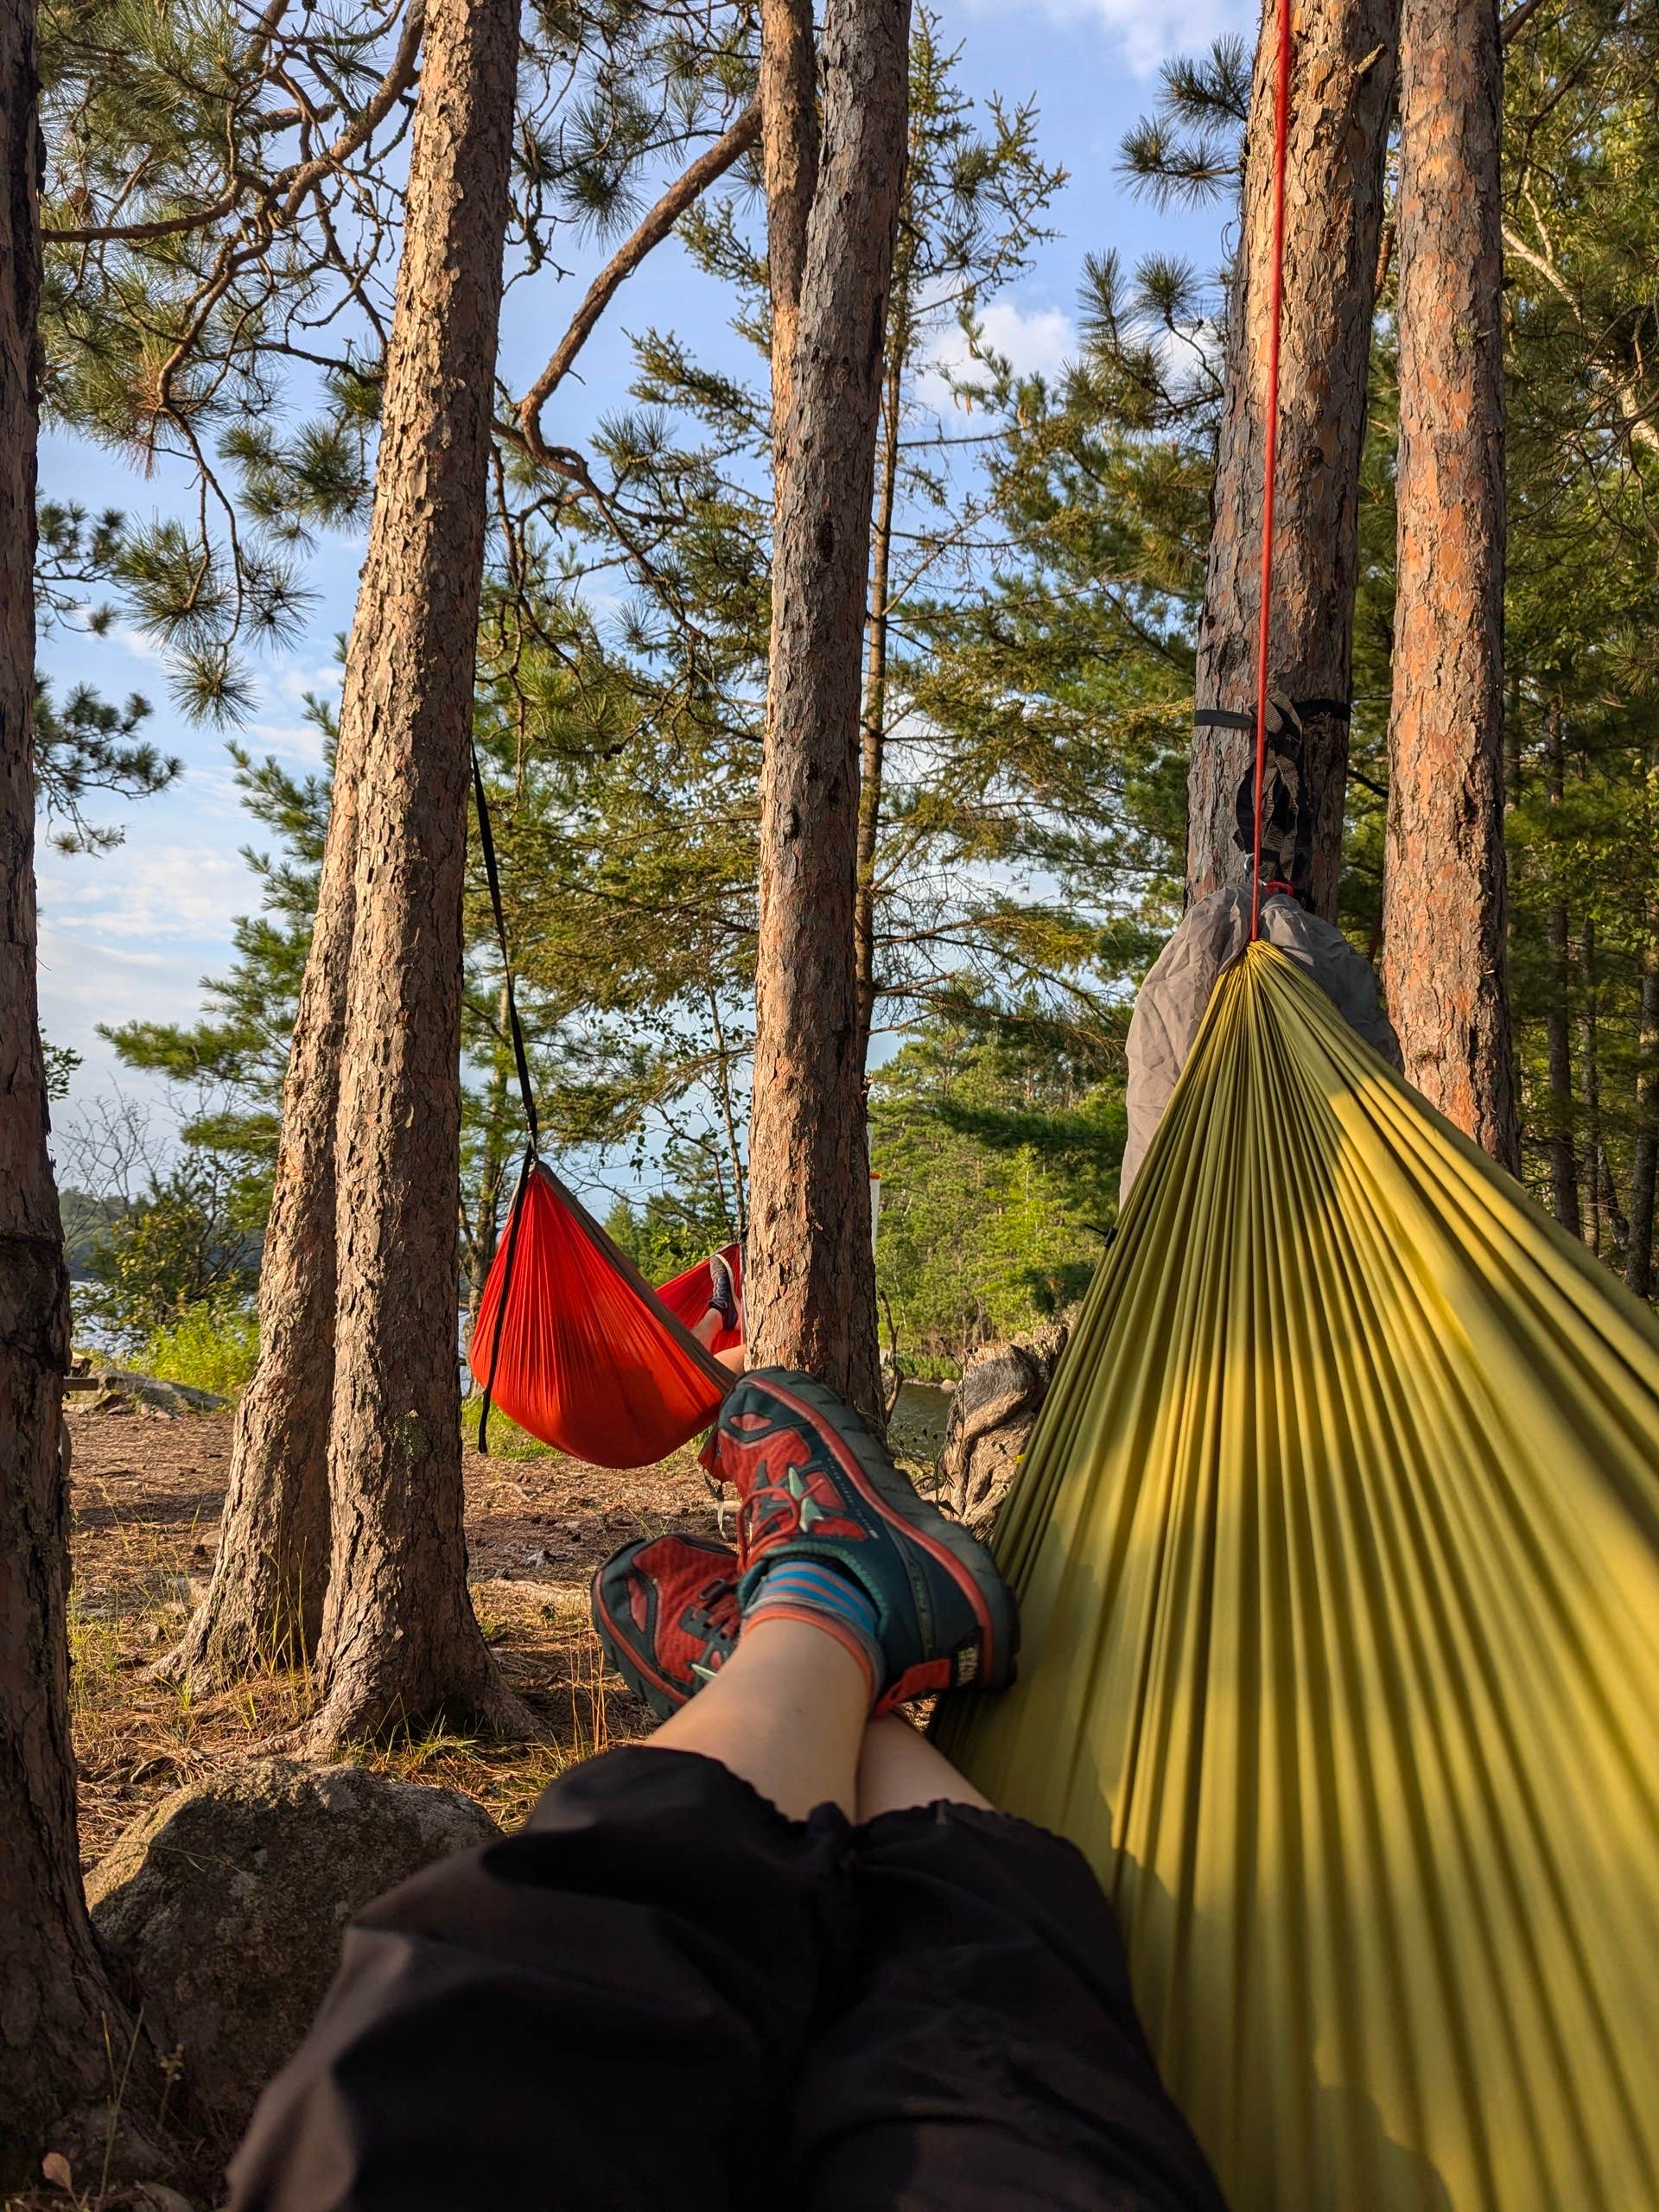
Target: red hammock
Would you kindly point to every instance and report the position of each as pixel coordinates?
(585, 1355)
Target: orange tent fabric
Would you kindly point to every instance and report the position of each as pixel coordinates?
(583, 1353)
(686, 1296)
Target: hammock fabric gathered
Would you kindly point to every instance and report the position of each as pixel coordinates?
(574, 1344)
(1337, 1550)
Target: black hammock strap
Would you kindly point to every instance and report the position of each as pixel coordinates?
(493, 877)
(521, 1060)
(1338, 710)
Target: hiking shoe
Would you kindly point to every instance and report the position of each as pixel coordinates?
(665, 1609)
(813, 1483)
(723, 1291)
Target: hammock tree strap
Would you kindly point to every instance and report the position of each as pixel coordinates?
(493, 877)
(521, 1060)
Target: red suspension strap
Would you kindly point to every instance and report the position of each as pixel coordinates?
(1270, 452)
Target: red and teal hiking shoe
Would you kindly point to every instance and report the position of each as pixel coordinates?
(814, 1483)
(666, 1609)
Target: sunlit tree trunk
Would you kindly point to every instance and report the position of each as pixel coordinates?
(399, 1641)
(873, 733)
(790, 143)
(264, 1601)
(1644, 1151)
(1341, 99)
(1445, 958)
(1558, 1021)
(811, 1285)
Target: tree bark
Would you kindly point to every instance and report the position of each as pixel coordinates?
(1445, 964)
(1590, 1053)
(399, 1640)
(55, 2002)
(811, 1278)
(264, 1601)
(872, 735)
(1644, 1150)
(1558, 1022)
(790, 144)
(1341, 89)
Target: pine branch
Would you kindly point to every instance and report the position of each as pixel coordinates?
(1517, 19)
(167, 227)
(656, 226)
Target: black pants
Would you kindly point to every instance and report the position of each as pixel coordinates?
(663, 1995)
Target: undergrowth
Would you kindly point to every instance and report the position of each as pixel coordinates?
(207, 1348)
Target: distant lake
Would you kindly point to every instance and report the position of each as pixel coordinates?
(916, 1425)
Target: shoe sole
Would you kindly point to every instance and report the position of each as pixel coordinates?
(884, 1488)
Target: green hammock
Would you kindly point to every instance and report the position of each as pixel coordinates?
(1338, 1543)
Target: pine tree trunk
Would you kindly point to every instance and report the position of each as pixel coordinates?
(55, 2002)
(1558, 1022)
(399, 1640)
(1341, 89)
(1590, 1053)
(810, 1283)
(789, 139)
(872, 736)
(264, 1602)
(1445, 966)
(1644, 1150)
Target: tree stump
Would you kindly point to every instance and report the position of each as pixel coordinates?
(992, 1410)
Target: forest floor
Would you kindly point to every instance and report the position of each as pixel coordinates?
(147, 1493)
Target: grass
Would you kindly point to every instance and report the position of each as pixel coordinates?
(207, 1348)
(507, 1441)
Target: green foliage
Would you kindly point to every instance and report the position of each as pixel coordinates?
(1000, 1161)
(61, 1061)
(181, 1246)
(212, 1346)
(677, 1225)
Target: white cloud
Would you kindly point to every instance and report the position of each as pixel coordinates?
(152, 893)
(1145, 32)
(295, 680)
(298, 742)
(1038, 340)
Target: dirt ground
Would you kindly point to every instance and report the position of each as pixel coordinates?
(147, 1493)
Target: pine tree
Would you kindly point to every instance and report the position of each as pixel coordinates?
(1341, 98)
(811, 1289)
(59, 2007)
(1443, 919)
(399, 1641)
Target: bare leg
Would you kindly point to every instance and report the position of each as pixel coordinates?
(899, 1767)
(786, 1712)
(706, 1330)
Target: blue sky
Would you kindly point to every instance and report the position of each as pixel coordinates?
(132, 934)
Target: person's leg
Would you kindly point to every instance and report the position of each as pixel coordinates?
(609, 2008)
(786, 1712)
(712, 1324)
(898, 1769)
(987, 2057)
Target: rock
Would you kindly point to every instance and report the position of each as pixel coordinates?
(223, 1909)
(992, 1412)
(117, 1389)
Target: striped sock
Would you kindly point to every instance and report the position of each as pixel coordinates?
(813, 1590)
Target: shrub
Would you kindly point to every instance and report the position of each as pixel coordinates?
(208, 1347)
